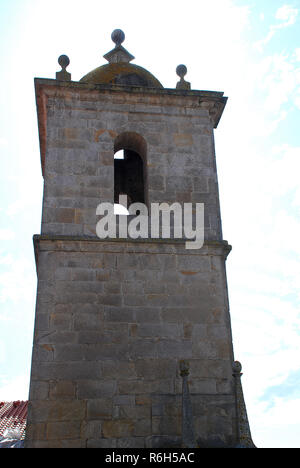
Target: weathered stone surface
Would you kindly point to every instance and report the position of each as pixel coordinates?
(116, 355)
(115, 317)
(58, 410)
(78, 139)
(63, 430)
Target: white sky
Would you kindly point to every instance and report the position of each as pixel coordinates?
(250, 49)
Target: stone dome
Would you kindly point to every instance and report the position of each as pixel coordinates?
(119, 70)
(122, 73)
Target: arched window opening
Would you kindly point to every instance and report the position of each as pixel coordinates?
(129, 168)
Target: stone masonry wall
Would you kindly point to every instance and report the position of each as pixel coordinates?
(113, 321)
(79, 166)
(114, 318)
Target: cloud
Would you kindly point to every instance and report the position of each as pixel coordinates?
(297, 54)
(279, 80)
(288, 389)
(287, 15)
(276, 426)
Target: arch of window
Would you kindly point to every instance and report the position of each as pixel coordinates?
(130, 170)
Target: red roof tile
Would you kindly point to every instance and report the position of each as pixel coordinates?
(13, 415)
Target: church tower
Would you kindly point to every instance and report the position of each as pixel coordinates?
(132, 343)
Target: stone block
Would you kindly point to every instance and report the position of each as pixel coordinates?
(121, 315)
(43, 353)
(69, 352)
(83, 274)
(118, 429)
(36, 431)
(88, 321)
(56, 337)
(110, 299)
(200, 184)
(42, 322)
(99, 409)
(131, 442)
(194, 263)
(62, 390)
(102, 443)
(147, 315)
(213, 368)
(170, 426)
(161, 330)
(113, 369)
(156, 182)
(63, 430)
(225, 387)
(95, 352)
(59, 215)
(65, 370)
(143, 427)
(183, 139)
(203, 386)
(154, 369)
(135, 412)
(135, 300)
(95, 389)
(93, 430)
(205, 349)
(143, 400)
(174, 349)
(120, 400)
(61, 321)
(179, 184)
(58, 410)
(142, 348)
(39, 390)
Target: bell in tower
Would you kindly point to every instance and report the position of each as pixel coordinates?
(132, 344)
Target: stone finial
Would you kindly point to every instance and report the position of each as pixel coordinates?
(181, 71)
(119, 54)
(237, 369)
(243, 426)
(118, 37)
(63, 75)
(188, 434)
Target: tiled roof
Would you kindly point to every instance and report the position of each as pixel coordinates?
(13, 415)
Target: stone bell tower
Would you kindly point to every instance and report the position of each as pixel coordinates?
(123, 325)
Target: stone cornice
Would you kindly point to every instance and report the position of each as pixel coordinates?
(78, 85)
(95, 244)
(212, 101)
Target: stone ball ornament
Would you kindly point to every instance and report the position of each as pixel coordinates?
(237, 367)
(64, 61)
(181, 71)
(118, 37)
